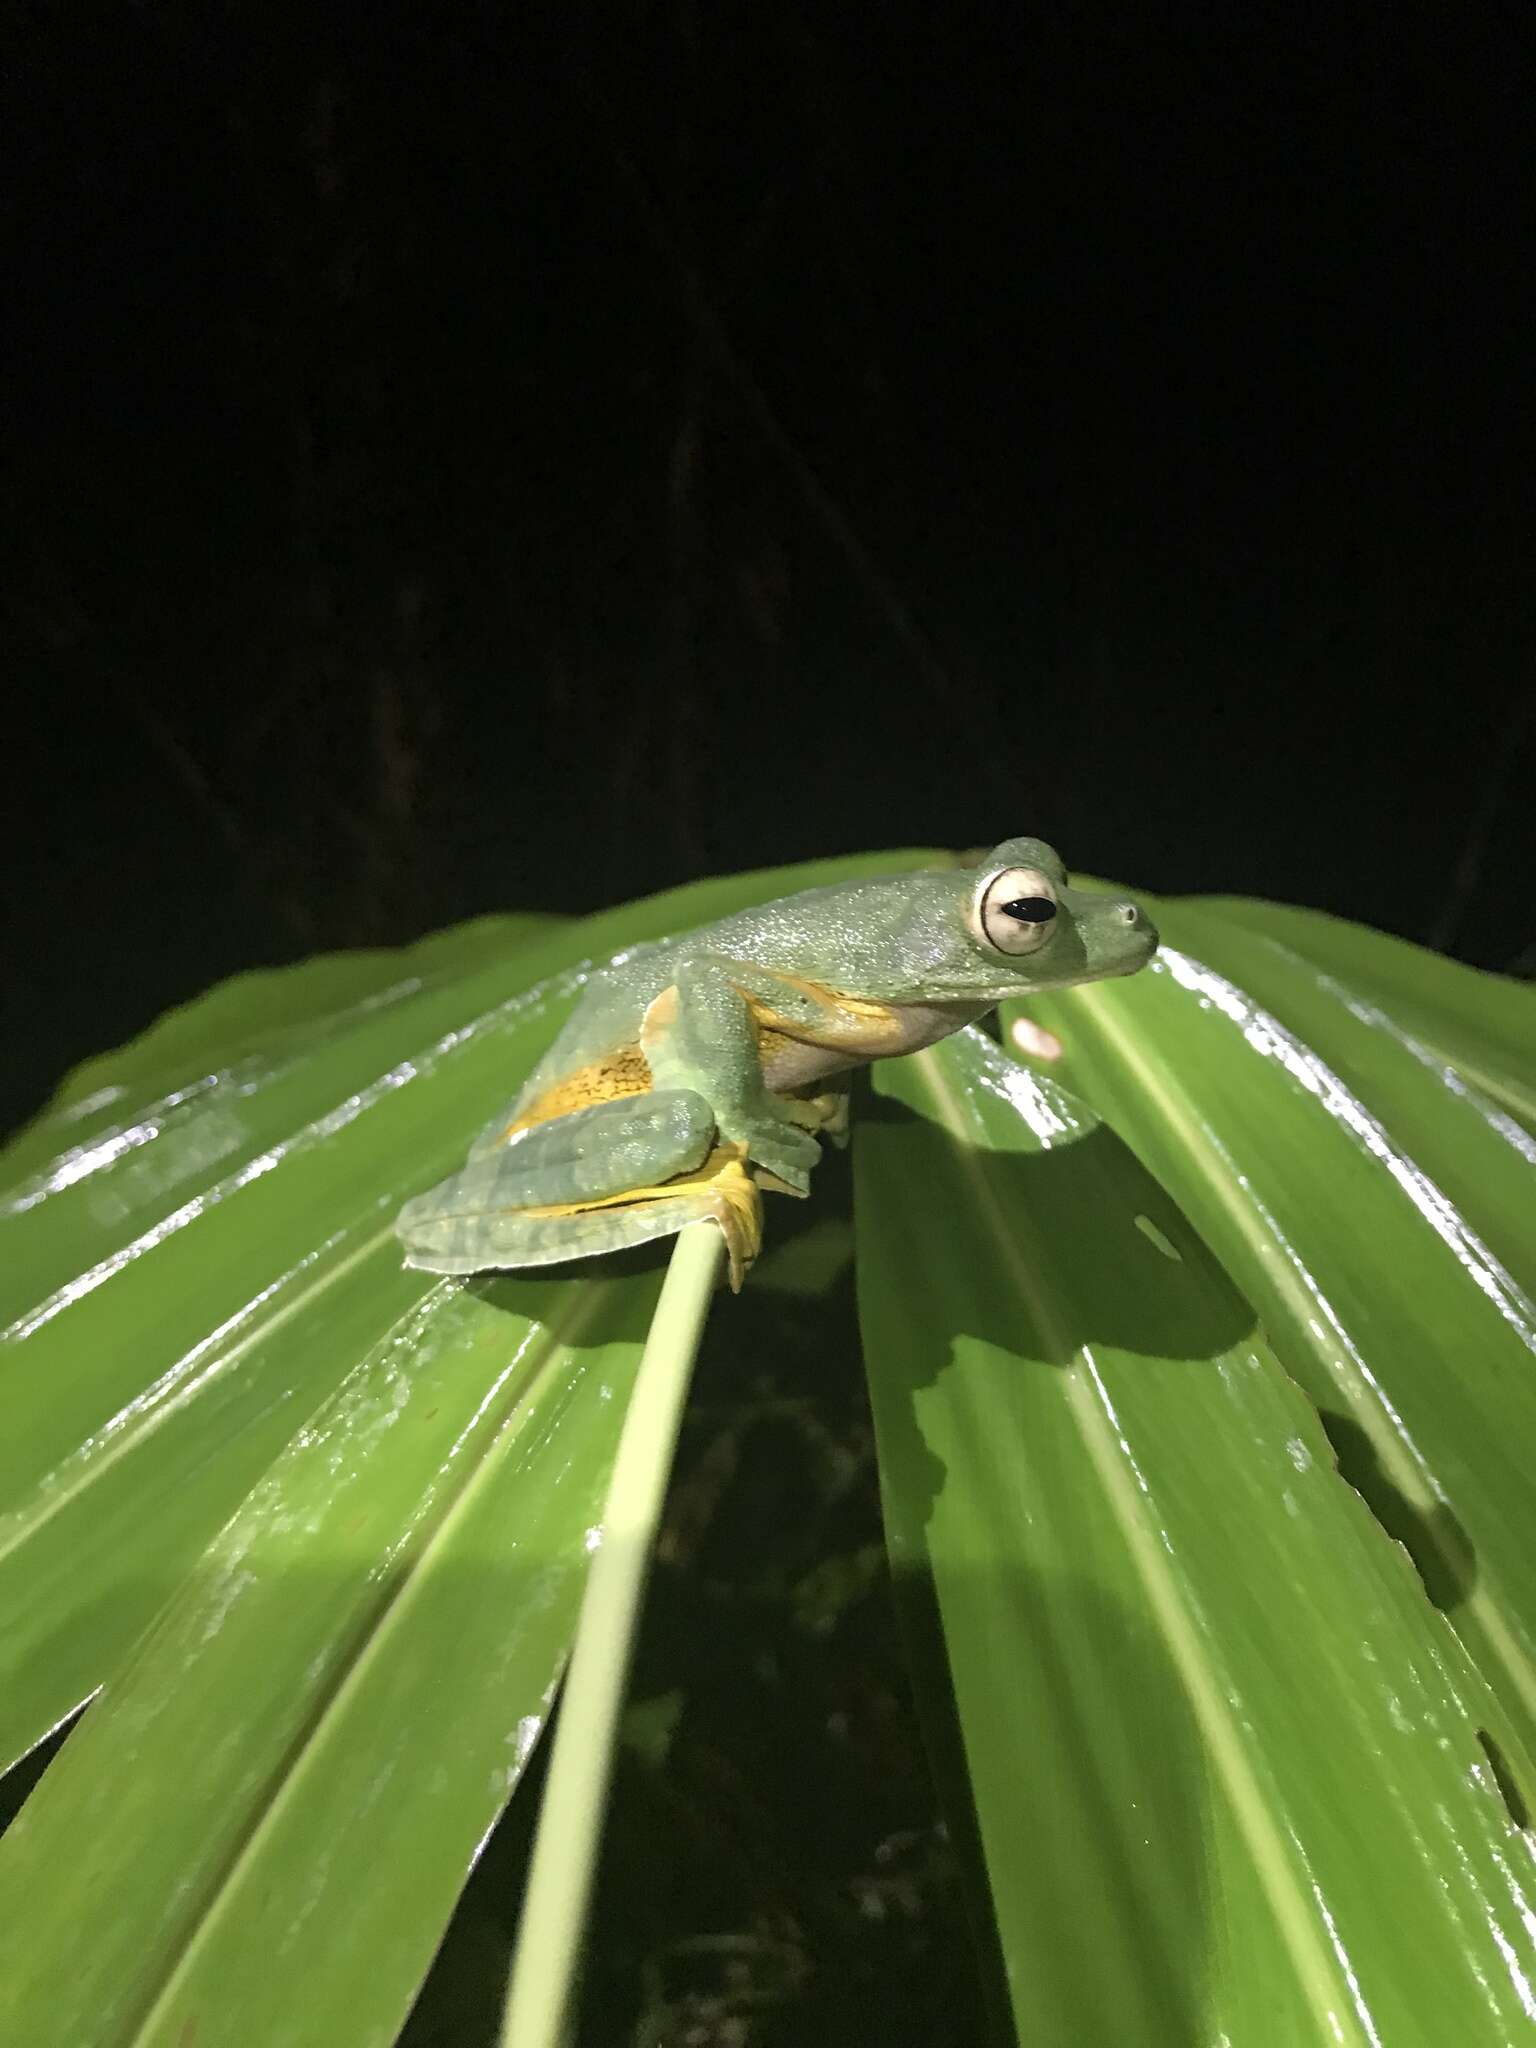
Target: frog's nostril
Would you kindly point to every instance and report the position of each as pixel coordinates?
(1129, 914)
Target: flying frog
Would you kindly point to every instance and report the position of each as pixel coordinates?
(697, 1072)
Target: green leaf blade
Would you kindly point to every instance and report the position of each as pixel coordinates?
(1225, 1759)
(1382, 1298)
(1484, 1024)
(259, 1822)
(179, 1303)
(257, 1775)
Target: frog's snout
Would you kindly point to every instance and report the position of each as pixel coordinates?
(1137, 934)
(1146, 930)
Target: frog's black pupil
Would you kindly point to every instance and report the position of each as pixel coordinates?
(1031, 909)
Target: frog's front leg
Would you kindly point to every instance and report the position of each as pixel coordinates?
(699, 1034)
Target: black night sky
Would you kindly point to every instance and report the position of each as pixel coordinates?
(464, 458)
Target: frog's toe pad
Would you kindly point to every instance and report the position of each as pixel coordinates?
(721, 1192)
(1034, 1040)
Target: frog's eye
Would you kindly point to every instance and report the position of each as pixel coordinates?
(1014, 911)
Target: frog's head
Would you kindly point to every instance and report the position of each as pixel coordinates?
(1023, 928)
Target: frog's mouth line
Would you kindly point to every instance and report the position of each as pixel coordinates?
(1071, 977)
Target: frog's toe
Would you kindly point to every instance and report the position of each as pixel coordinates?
(737, 1208)
(721, 1192)
(784, 1152)
(1034, 1040)
(824, 1115)
(779, 1147)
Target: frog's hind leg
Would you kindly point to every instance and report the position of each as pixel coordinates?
(617, 1174)
(721, 1191)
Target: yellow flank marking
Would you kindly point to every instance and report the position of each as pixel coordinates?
(619, 1073)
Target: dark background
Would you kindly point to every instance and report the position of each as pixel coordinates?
(465, 458)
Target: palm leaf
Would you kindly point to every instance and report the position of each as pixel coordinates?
(318, 1527)
(1228, 1766)
(1374, 1205)
(231, 1407)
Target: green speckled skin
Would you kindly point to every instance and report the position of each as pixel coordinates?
(748, 1029)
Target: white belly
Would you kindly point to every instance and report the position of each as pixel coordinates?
(792, 1064)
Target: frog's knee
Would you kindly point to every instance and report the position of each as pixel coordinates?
(636, 1144)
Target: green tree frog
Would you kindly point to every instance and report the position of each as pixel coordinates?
(696, 1072)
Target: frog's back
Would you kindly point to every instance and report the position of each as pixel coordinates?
(596, 1057)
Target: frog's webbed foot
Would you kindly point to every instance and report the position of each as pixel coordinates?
(783, 1151)
(721, 1192)
(439, 1239)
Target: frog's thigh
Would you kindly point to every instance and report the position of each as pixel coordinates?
(632, 1142)
(591, 1155)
